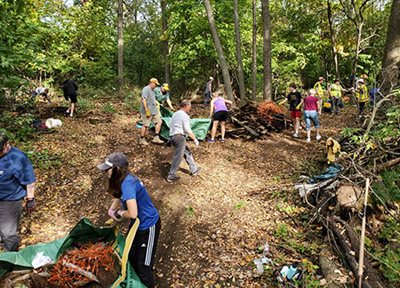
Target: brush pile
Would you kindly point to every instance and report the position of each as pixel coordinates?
(255, 120)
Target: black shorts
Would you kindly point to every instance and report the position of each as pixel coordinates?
(73, 98)
(221, 116)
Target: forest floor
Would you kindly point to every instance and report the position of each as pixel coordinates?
(212, 224)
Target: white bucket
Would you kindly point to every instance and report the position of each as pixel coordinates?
(51, 123)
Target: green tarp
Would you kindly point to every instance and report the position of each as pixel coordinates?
(83, 232)
(200, 126)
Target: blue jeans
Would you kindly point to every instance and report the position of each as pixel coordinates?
(311, 115)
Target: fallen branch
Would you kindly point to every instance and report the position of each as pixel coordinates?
(387, 165)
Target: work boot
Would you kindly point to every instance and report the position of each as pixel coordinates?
(157, 140)
(143, 141)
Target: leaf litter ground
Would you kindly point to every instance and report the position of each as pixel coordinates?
(212, 224)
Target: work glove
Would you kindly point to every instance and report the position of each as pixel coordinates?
(113, 213)
(148, 114)
(298, 107)
(196, 143)
(30, 205)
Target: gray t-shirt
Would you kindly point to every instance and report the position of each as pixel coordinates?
(148, 94)
(180, 123)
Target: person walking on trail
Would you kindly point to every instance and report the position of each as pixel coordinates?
(70, 93)
(322, 93)
(295, 102)
(130, 201)
(162, 95)
(208, 91)
(335, 90)
(311, 112)
(150, 113)
(17, 182)
(362, 96)
(179, 129)
(219, 114)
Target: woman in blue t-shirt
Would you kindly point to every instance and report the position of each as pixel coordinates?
(131, 201)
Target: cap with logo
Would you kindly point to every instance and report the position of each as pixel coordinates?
(116, 159)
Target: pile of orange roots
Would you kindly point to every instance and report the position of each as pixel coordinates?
(80, 266)
(268, 109)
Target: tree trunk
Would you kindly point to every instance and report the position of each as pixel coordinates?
(220, 51)
(358, 45)
(254, 51)
(120, 46)
(333, 40)
(391, 60)
(242, 90)
(266, 17)
(167, 67)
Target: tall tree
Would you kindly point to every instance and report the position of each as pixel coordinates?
(391, 60)
(354, 10)
(333, 39)
(164, 20)
(220, 51)
(266, 20)
(120, 45)
(242, 90)
(254, 52)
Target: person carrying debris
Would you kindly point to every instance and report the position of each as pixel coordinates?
(70, 93)
(295, 102)
(131, 201)
(311, 111)
(219, 113)
(149, 112)
(162, 95)
(179, 128)
(208, 91)
(17, 182)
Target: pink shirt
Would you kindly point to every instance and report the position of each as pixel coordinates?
(311, 103)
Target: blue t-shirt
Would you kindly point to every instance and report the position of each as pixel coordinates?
(132, 188)
(16, 172)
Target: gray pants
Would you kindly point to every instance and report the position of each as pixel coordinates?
(181, 151)
(10, 214)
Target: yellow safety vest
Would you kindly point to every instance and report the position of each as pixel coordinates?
(362, 94)
(336, 91)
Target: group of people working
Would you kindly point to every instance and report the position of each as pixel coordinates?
(322, 97)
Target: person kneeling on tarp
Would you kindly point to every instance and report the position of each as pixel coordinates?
(131, 201)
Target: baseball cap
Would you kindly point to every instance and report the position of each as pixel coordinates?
(116, 159)
(3, 140)
(165, 86)
(321, 78)
(361, 80)
(154, 80)
(211, 78)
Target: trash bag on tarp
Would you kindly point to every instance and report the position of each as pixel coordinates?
(83, 232)
(200, 126)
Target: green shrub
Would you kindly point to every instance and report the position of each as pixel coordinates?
(109, 108)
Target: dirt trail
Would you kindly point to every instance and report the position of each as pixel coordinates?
(212, 224)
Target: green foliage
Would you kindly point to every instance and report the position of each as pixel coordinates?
(44, 160)
(389, 255)
(281, 231)
(388, 189)
(19, 127)
(85, 105)
(109, 108)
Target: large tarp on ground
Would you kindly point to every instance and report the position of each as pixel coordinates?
(83, 232)
(200, 126)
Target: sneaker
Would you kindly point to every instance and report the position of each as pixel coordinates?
(210, 140)
(318, 137)
(222, 140)
(295, 135)
(172, 179)
(195, 173)
(308, 140)
(143, 141)
(157, 140)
